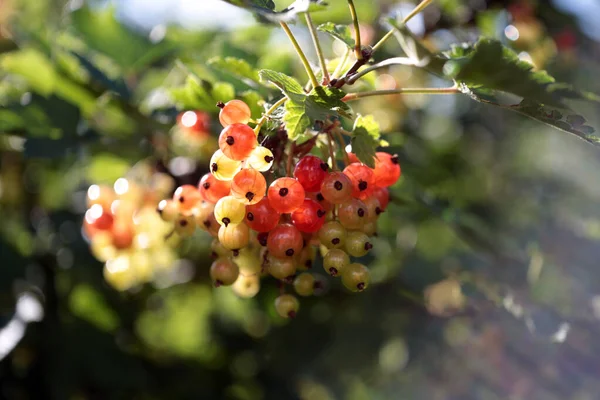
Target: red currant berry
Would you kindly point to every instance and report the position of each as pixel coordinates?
(97, 219)
(284, 241)
(212, 189)
(188, 197)
(319, 198)
(310, 172)
(387, 169)
(286, 195)
(249, 185)
(353, 214)
(194, 122)
(237, 141)
(362, 180)
(234, 112)
(383, 195)
(261, 217)
(336, 188)
(309, 217)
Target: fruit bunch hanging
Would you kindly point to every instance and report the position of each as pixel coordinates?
(271, 220)
(124, 230)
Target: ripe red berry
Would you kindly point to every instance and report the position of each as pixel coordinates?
(309, 217)
(336, 188)
(319, 198)
(194, 122)
(383, 195)
(387, 169)
(249, 185)
(261, 217)
(188, 197)
(310, 172)
(212, 189)
(284, 241)
(362, 180)
(285, 195)
(123, 233)
(97, 219)
(234, 112)
(353, 214)
(237, 141)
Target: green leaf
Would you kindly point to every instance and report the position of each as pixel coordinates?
(106, 168)
(340, 32)
(222, 91)
(288, 85)
(365, 139)
(254, 101)
(195, 94)
(304, 110)
(33, 66)
(265, 9)
(237, 67)
(104, 33)
(86, 303)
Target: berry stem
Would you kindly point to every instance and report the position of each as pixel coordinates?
(331, 146)
(356, 96)
(357, 45)
(342, 146)
(319, 50)
(340, 67)
(309, 71)
(290, 159)
(420, 7)
(268, 113)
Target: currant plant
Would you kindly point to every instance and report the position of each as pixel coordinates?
(310, 174)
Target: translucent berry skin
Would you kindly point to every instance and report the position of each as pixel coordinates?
(356, 277)
(249, 186)
(261, 217)
(332, 235)
(237, 141)
(234, 236)
(261, 159)
(97, 219)
(362, 179)
(168, 210)
(353, 214)
(383, 195)
(335, 261)
(122, 234)
(310, 172)
(373, 208)
(306, 258)
(319, 198)
(286, 195)
(304, 284)
(194, 122)
(205, 218)
(336, 188)
(222, 167)
(284, 241)
(102, 195)
(185, 225)
(235, 112)
(224, 272)
(281, 268)
(309, 217)
(212, 189)
(287, 306)
(387, 169)
(246, 286)
(187, 197)
(357, 244)
(229, 210)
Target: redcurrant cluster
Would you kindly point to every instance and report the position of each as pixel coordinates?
(276, 229)
(123, 229)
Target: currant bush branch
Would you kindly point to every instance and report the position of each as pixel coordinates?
(360, 95)
(386, 63)
(305, 62)
(357, 45)
(319, 50)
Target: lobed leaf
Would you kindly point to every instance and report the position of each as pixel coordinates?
(265, 9)
(340, 32)
(237, 67)
(288, 85)
(365, 138)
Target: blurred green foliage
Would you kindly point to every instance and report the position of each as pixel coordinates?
(503, 205)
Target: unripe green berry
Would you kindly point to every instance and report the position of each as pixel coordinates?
(281, 268)
(357, 244)
(304, 284)
(335, 261)
(356, 277)
(224, 272)
(332, 235)
(287, 306)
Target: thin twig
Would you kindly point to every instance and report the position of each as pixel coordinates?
(268, 113)
(319, 50)
(301, 54)
(290, 160)
(357, 45)
(414, 12)
(386, 63)
(360, 95)
(342, 146)
(331, 146)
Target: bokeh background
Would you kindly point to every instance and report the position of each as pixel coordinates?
(502, 210)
